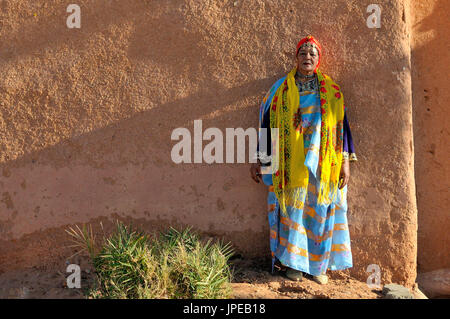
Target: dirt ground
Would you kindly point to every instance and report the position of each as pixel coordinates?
(252, 279)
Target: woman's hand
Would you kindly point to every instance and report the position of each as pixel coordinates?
(255, 171)
(344, 176)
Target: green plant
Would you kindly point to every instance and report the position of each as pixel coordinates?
(124, 264)
(197, 269)
(175, 264)
(83, 239)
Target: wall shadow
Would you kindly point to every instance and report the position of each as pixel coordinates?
(430, 60)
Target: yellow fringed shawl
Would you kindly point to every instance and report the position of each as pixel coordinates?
(291, 180)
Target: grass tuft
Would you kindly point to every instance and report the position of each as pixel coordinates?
(175, 264)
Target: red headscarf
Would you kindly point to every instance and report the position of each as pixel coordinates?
(311, 39)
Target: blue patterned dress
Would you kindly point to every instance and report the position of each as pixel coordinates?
(315, 238)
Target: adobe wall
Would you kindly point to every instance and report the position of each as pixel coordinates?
(431, 58)
(87, 115)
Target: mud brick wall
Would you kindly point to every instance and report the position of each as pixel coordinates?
(87, 115)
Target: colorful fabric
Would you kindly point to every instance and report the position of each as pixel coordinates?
(311, 237)
(264, 124)
(291, 178)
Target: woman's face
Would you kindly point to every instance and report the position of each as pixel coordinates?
(307, 59)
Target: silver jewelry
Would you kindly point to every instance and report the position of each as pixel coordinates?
(312, 84)
(308, 45)
(302, 76)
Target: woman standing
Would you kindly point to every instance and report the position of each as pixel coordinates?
(307, 199)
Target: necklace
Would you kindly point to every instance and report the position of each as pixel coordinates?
(308, 85)
(302, 76)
